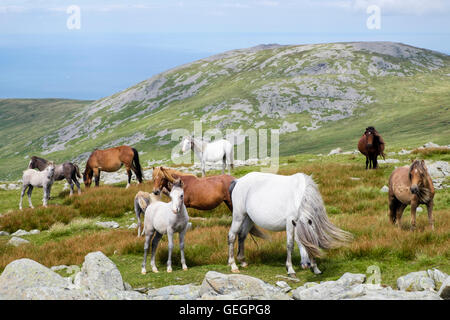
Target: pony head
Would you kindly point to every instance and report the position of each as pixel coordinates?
(370, 134)
(186, 144)
(160, 180)
(177, 196)
(417, 174)
(50, 169)
(87, 177)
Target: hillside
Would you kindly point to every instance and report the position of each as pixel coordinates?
(320, 96)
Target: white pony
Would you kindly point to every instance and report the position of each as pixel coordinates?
(277, 203)
(161, 218)
(41, 179)
(210, 151)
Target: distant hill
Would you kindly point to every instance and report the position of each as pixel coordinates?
(321, 96)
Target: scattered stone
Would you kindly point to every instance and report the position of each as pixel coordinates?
(284, 286)
(403, 152)
(108, 224)
(177, 292)
(389, 161)
(20, 233)
(4, 233)
(34, 231)
(354, 178)
(419, 209)
(431, 145)
(437, 275)
(384, 189)
(416, 281)
(335, 151)
(349, 279)
(444, 291)
(133, 226)
(237, 286)
(17, 241)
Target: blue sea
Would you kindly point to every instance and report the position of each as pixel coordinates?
(92, 66)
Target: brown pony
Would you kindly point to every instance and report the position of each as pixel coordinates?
(200, 193)
(371, 145)
(410, 185)
(111, 160)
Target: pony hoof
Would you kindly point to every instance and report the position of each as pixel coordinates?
(244, 264)
(143, 271)
(185, 268)
(235, 271)
(155, 270)
(169, 270)
(292, 275)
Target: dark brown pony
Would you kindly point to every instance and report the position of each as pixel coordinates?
(111, 160)
(200, 193)
(410, 185)
(371, 144)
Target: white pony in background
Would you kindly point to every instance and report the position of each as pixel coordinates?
(277, 203)
(161, 218)
(41, 179)
(210, 151)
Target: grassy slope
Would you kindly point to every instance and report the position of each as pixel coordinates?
(354, 205)
(23, 122)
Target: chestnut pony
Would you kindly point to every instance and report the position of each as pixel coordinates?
(199, 193)
(371, 144)
(410, 185)
(111, 160)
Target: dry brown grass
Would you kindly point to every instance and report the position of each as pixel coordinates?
(431, 151)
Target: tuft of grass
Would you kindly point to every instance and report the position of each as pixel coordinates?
(39, 218)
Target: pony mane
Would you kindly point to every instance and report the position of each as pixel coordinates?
(158, 171)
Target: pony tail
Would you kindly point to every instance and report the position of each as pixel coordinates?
(137, 165)
(314, 230)
(77, 170)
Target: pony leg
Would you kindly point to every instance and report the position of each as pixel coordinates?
(400, 210)
(29, 193)
(170, 247)
(46, 196)
(71, 186)
(234, 229)
(290, 246)
(146, 246)
(137, 210)
(155, 242)
(24, 187)
(414, 206)
(367, 163)
(430, 214)
(247, 225)
(97, 176)
(129, 178)
(77, 184)
(375, 163)
(306, 261)
(203, 168)
(183, 260)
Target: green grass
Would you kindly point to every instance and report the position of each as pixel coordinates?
(354, 205)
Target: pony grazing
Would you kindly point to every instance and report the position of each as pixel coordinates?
(40, 179)
(371, 144)
(111, 160)
(277, 203)
(141, 202)
(66, 170)
(161, 218)
(219, 150)
(410, 185)
(200, 193)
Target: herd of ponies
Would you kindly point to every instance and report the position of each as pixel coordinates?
(256, 200)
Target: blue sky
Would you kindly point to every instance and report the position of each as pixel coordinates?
(123, 42)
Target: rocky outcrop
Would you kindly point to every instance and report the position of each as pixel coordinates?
(352, 287)
(218, 286)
